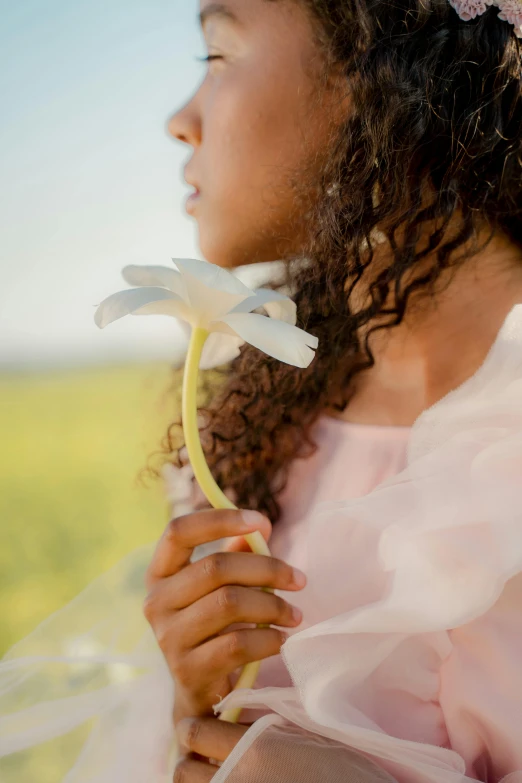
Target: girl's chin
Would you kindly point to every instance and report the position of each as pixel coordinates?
(224, 260)
(228, 250)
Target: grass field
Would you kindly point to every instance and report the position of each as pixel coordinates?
(71, 505)
(73, 443)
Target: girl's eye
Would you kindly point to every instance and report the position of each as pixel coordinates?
(209, 58)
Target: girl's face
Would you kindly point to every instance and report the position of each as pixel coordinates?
(257, 120)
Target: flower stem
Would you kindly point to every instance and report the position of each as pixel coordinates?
(214, 495)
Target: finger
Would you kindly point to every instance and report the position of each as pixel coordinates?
(221, 568)
(220, 657)
(205, 618)
(184, 533)
(210, 737)
(189, 770)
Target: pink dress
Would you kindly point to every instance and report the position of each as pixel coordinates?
(351, 460)
(410, 650)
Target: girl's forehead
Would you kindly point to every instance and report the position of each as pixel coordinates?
(242, 14)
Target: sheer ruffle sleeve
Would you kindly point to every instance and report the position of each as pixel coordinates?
(418, 662)
(284, 752)
(90, 675)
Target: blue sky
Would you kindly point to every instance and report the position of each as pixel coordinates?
(90, 180)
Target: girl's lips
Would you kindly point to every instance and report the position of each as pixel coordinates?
(192, 200)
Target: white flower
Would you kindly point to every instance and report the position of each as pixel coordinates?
(206, 296)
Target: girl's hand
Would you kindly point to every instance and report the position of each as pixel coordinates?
(206, 738)
(191, 605)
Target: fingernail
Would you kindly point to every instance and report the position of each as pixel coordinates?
(252, 519)
(299, 578)
(297, 614)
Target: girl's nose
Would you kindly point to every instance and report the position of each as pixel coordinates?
(185, 125)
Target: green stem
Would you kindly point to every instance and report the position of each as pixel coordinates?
(214, 495)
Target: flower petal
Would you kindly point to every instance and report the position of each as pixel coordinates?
(219, 349)
(211, 290)
(155, 275)
(276, 304)
(283, 341)
(139, 301)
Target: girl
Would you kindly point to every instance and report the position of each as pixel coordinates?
(376, 149)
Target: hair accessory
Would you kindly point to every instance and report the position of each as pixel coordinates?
(510, 11)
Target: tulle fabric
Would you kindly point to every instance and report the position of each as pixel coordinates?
(410, 661)
(284, 752)
(95, 658)
(87, 697)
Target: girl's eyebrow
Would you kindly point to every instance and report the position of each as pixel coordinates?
(218, 10)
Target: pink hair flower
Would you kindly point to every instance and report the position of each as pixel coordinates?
(469, 9)
(511, 11)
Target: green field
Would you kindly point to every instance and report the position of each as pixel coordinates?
(74, 500)
(71, 502)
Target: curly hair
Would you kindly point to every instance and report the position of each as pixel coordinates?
(433, 144)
